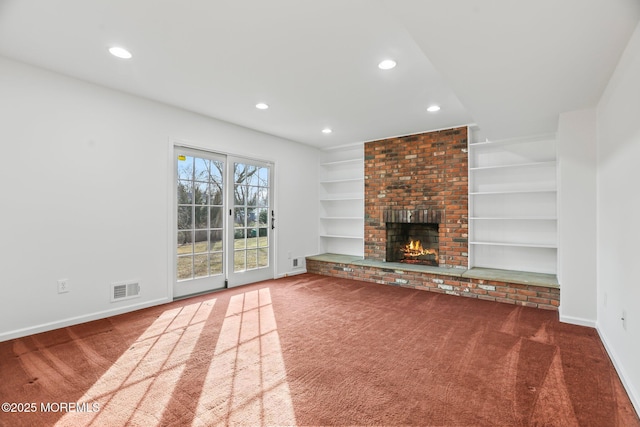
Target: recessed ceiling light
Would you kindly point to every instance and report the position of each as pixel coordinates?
(433, 108)
(261, 106)
(387, 64)
(120, 52)
(326, 130)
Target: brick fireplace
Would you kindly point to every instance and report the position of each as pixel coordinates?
(418, 179)
(417, 186)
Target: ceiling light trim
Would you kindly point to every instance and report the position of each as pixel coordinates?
(387, 64)
(120, 52)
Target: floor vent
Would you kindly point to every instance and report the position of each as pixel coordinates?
(124, 290)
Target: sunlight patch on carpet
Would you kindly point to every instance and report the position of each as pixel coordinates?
(138, 386)
(246, 383)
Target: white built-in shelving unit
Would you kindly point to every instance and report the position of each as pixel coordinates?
(342, 201)
(513, 204)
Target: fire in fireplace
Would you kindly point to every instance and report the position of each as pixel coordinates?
(412, 243)
(415, 251)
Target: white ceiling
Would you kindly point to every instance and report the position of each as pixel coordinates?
(510, 66)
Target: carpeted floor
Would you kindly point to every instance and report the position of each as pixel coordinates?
(314, 350)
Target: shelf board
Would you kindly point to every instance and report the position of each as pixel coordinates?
(524, 218)
(343, 162)
(341, 199)
(337, 181)
(342, 217)
(515, 165)
(522, 245)
(339, 236)
(482, 193)
(538, 139)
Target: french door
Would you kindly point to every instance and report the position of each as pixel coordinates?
(251, 225)
(224, 221)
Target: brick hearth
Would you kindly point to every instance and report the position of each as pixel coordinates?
(535, 290)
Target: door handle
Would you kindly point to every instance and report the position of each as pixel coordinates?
(273, 221)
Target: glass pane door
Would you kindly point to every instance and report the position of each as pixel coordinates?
(200, 230)
(251, 256)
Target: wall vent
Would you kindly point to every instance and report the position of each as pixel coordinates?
(297, 262)
(124, 290)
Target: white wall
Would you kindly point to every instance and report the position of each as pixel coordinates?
(85, 183)
(618, 213)
(577, 217)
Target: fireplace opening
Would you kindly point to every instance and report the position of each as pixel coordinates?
(412, 243)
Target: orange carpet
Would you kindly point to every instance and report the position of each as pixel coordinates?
(314, 350)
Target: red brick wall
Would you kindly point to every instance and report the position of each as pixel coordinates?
(425, 171)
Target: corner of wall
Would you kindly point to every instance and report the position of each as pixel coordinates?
(590, 323)
(577, 221)
(634, 395)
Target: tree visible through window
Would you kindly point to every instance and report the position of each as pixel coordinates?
(199, 217)
(251, 217)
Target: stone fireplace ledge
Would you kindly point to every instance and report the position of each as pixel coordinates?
(488, 274)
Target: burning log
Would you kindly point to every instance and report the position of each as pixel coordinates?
(415, 250)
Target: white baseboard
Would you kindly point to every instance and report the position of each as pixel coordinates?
(578, 321)
(17, 333)
(634, 396)
(291, 273)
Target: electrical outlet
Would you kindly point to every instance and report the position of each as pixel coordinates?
(63, 286)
